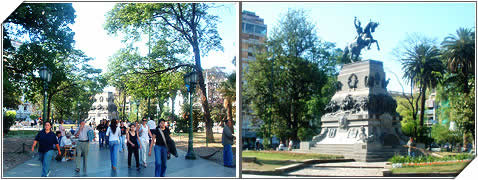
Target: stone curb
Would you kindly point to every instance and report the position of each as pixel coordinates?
(292, 167)
(438, 174)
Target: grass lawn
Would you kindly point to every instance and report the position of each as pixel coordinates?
(22, 133)
(265, 165)
(269, 160)
(445, 168)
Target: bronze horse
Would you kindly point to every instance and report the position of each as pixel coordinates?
(363, 39)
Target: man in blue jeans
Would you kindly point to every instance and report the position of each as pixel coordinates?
(102, 132)
(160, 139)
(227, 141)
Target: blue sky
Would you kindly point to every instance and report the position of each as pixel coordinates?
(91, 37)
(334, 22)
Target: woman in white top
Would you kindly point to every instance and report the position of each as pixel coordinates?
(113, 132)
(144, 134)
(62, 129)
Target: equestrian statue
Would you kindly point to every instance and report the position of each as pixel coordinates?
(363, 39)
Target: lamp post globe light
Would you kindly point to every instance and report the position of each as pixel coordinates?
(190, 80)
(45, 75)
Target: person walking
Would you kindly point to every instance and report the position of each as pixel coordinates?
(122, 137)
(410, 144)
(102, 131)
(132, 140)
(107, 137)
(227, 141)
(45, 140)
(152, 125)
(62, 128)
(160, 139)
(113, 134)
(83, 145)
(144, 135)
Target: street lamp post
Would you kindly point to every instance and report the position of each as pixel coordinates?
(137, 109)
(190, 80)
(79, 112)
(45, 75)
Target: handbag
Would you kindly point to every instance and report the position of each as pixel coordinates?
(164, 140)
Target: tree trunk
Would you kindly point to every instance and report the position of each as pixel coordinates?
(173, 98)
(229, 109)
(202, 91)
(422, 107)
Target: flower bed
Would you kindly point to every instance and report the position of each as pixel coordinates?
(407, 161)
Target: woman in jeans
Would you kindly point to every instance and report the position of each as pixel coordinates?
(132, 140)
(122, 137)
(113, 133)
(46, 139)
(160, 139)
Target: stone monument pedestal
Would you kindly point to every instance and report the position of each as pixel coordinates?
(361, 121)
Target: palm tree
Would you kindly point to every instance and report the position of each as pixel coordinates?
(460, 55)
(228, 91)
(423, 68)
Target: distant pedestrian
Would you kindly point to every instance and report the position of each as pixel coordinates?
(107, 137)
(62, 128)
(58, 138)
(160, 139)
(132, 140)
(152, 125)
(113, 133)
(83, 145)
(46, 139)
(122, 137)
(144, 135)
(102, 131)
(410, 144)
(72, 131)
(227, 141)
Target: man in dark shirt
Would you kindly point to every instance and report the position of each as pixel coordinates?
(159, 140)
(102, 131)
(46, 139)
(227, 141)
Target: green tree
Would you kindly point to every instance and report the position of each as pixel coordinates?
(44, 37)
(283, 81)
(408, 111)
(459, 53)
(183, 23)
(228, 91)
(459, 81)
(42, 33)
(422, 68)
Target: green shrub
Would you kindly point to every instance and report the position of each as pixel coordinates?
(8, 121)
(426, 159)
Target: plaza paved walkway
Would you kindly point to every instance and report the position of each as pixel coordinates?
(99, 165)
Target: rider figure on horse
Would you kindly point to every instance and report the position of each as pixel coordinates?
(363, 39)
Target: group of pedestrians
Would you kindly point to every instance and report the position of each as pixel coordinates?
(140, 140)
